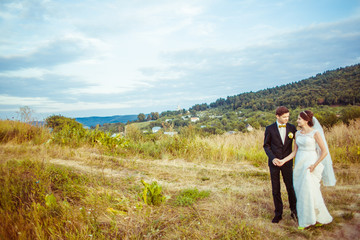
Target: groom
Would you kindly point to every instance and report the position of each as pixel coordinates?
(278, 141)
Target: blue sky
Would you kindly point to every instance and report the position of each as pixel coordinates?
(116, 57)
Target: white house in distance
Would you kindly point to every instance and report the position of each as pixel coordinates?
(155, 129)
(249, 127)
(194, 119)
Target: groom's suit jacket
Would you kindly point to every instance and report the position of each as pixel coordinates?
(273, 145)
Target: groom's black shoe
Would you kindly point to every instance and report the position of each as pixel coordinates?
(294, 216)
(276, 219)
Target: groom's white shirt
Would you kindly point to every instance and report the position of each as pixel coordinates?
(282, 132)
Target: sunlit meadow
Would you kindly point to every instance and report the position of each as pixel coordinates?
(216, 187)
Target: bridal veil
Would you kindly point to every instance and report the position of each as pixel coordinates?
(328, 175)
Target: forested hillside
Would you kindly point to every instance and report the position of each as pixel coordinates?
(335, 87)
(340, 87)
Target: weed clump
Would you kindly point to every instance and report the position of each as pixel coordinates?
(35, 199)
(152, 193)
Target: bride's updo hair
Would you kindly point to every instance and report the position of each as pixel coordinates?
(307, 115)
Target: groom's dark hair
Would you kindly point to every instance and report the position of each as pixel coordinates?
(281, 110)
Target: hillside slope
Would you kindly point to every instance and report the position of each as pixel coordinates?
(335, 87)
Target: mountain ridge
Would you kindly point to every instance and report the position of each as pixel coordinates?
(95, 120)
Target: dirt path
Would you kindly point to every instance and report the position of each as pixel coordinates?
(108, 172)
(174, 174)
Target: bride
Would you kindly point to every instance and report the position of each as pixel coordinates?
(312, 164)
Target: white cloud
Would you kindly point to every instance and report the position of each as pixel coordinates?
(164, 53)
(9, 100)
(26, 73)
(42, 104)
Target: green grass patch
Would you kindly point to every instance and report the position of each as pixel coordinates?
(187, 197)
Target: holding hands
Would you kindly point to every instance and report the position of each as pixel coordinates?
(278, 162)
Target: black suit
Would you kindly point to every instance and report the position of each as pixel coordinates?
(275, 148)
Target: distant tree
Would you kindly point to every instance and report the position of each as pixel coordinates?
(148, 118)
(178, 122)
(199, 107)
(154, 115)
(192, 112)
(25, 114)
(57, 122)
(141, 117)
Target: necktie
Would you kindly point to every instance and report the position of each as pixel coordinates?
(282, 125)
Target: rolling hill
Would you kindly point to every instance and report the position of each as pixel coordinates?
(334, 87)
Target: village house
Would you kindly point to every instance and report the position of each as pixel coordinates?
(194, 119)
(155, 129)
(249, 127)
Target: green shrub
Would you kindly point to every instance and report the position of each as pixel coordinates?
(327, 119)
(109, 142)
(58, 122)
(69, 136)
(349, 114)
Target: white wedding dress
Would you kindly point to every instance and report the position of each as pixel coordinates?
(310, 204)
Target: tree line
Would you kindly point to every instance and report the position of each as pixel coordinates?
(335, 87)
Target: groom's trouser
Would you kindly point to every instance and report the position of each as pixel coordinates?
(287, 173)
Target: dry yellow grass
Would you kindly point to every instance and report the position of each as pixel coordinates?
(240, 202)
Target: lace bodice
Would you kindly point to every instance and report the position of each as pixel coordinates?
(306, 142)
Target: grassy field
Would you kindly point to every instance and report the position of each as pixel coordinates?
(215, 187)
